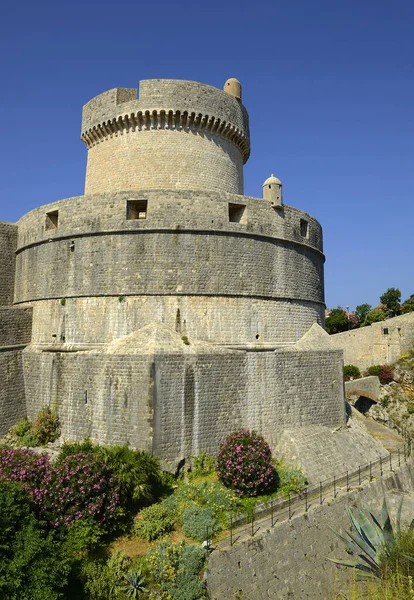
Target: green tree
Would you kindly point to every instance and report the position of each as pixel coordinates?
(361, 312)
(31, 564)
(408, 305)
(391, 300)
(375, 315)
(337, 321)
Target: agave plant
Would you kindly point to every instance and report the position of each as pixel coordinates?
(370, 539)
(135, 584)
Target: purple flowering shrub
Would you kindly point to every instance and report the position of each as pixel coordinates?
(244, 463)
(80, 487)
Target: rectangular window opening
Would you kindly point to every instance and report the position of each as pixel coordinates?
(385, 331)
(52, 219)
(304, 228)
(136, 209)
(237, 213)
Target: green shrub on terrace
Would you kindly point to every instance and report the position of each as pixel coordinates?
(199, 523)
(351, 371)
(22, 427)
(46, 426)
(383, 372)
(291, 479)
(153, 522)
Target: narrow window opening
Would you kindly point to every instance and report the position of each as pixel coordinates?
(72, 246)
(237, 213)
(136, 209)
(85, 397)
(304, 228)
(257, 336)
(385, 331)
(52, 219)
(270, 187)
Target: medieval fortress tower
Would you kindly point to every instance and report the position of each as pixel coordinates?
(164, 308)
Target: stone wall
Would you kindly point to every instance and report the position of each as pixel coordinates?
(15, 333)
(256, 281)
(380, 343)
(178, 404)
(8, 245)
(177, 134)
(15, 326)
(12, 393)
(291, 560)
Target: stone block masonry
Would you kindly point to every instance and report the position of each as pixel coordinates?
(290, 562)
(8, 245)
(380, 343)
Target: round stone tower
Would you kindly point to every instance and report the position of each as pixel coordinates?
(164, 234)
(169, 134)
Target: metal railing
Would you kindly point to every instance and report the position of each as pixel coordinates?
(283, 508)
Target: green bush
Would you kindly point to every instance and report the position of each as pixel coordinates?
(22, 427)
(30, 440)
(291, 479)
(140, 477)
(199, 523)
(32, 566)
(383, 372)
(385, 401)
(153, 522)
(201, 465)
(175, 567)
(351, 371)
(46, 427)
(410, 408)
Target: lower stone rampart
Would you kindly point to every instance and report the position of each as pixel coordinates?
(177, 404)
(290, 561)
(12, 393)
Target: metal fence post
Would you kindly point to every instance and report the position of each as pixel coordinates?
(359, 474)
(320, 492)
(347, 481)
(399, 458)
(231, 529)
(306, 500)
(289, 507)
(271, 512)
(390, 463)
(252, 523)
(381, 465)
(370, 470)
(334, 482)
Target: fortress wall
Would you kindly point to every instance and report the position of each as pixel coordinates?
(372, 346)
(8, 244)
(169, 263)
(174, 159)
(217, 320)
(290, 559)
(15, 326)
(15, 332)
(179, 404)
(12, 392)
(107, 398)
(170, 210)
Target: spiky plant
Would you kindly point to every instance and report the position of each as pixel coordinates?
(372, 540)
(134, 585)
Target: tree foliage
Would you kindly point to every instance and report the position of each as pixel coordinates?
(391, 301)
(375, 315)
(361, 312)
(408, 305)
(337, 321)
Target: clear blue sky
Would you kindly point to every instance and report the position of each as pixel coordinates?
(329, 86)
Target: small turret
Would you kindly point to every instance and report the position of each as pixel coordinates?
(272, 190)
(233, 87)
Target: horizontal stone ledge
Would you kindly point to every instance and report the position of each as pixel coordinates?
(169, 231)
(12, 348)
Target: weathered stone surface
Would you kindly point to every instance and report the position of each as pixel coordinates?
(380, 343)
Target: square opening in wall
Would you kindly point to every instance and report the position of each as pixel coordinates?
(136, 209)
(304, 228)
(52, 219)
(385, 331)
(237, 213)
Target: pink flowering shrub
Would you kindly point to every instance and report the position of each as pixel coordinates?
(244, 463)
(80, 487)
